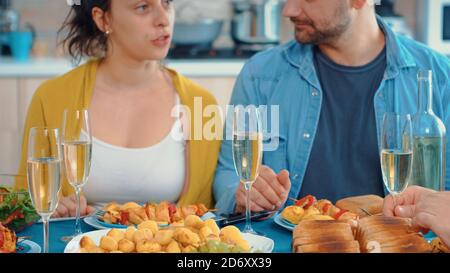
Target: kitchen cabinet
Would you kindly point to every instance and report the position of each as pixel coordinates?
(9, 126)
(221, 88)
(15, 97)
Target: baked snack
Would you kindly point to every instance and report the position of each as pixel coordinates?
(439, 247)
(313, 236)
(374, 234)
(363, 206)
(194, 236)
(308, 208)
(381, 234)
(8, 240)
(132, 213)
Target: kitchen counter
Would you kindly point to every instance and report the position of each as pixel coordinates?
(52, 67)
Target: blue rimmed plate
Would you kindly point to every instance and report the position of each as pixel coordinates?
(95, 222)
(278, 219)
(28, 246)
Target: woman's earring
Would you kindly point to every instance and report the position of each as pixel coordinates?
(108, 32)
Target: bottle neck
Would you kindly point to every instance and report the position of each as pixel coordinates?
(425, 104)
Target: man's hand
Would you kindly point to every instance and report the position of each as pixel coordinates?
(428, 209)
(269, 192)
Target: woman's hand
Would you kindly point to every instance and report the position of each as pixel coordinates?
(67, 207)
(428, 209)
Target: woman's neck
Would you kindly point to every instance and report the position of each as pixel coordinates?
(123, 73)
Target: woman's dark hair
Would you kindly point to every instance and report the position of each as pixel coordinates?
(84, 38)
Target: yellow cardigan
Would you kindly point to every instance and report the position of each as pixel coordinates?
(75, 89)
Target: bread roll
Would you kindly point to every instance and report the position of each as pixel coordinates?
(321, 228)
(336, 237)
(330, 247)
(361, 205)
(373, 234)
(324, 237)
(380, 234)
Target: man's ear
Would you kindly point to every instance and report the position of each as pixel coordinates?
(101, 19)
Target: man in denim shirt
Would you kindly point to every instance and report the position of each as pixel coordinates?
(333, 85)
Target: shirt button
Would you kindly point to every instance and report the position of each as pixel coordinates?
(295, 176)
(306, 136)
(315, 93)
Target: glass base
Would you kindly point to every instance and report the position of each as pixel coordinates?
(252, 231)
(69, 238)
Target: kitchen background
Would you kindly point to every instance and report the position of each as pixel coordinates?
(216, 70)
(36, 12)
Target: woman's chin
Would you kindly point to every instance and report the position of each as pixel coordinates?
(157, 55)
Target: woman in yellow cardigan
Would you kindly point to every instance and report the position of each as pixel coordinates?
(130, 98)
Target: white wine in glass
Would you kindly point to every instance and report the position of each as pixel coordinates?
(44, 177)
(247, 155)
(247, 151)
(77, 146)
(44, 174)
(396, 169)
(396, 154)
(77, 161)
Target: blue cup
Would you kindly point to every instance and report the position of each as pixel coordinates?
(21, 43)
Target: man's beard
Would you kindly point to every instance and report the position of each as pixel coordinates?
(318, 36)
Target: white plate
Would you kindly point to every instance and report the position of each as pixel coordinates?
(282, 222)
(92, 221)
(258, 243)
(29, 247)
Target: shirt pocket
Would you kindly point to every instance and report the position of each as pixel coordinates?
(276, 159)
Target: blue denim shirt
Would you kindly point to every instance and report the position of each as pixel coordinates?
(286, 76)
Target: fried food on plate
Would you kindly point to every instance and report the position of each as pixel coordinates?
(8, 240)
(163, 213)
(309, 208)
(198, 237)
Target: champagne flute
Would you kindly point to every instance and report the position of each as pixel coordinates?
(77, 147)
(44, 176)
(247, 151)
(396, 152)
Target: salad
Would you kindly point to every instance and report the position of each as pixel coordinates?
(16, 209)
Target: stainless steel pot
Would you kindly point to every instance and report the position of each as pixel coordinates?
(256, 22)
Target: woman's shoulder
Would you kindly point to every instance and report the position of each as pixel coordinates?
(191, 88)
(67, 83)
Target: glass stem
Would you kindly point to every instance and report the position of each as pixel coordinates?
(248, 211)
(45, 223)
(394, 198)
(77, 221)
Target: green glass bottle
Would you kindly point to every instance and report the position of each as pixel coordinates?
(429, 136)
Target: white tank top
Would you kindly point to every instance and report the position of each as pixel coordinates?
(155, 173)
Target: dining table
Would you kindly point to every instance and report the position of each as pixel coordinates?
(281, 236)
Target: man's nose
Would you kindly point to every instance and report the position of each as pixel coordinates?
(292, 8)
